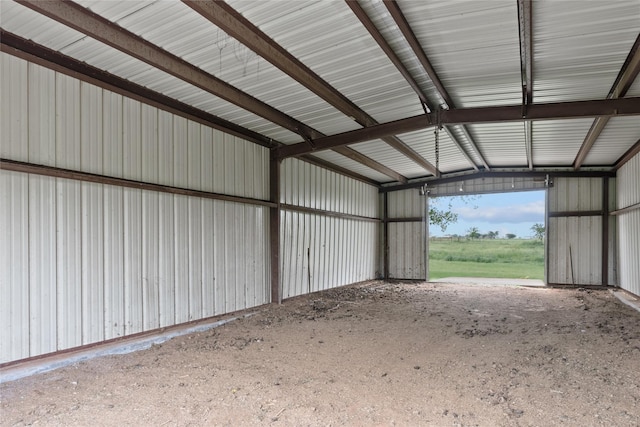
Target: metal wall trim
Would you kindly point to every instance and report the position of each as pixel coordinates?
(566, 214)
(288, 207)
(31, 168)
(625, 210)
(499, 174)
(415, 219)
(125, 338)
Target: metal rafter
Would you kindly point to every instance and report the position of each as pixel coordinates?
(415, 45)
(233, 23)
(99, 28)
(624, 80)
(630, 153)
(388, 50)
(511, 113)
(33, 52)
(526, 69)
(87, 22)
(361, 158)
(38, 54)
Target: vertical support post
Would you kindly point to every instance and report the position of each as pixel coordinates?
(605, 231)
(547, 223)
(385, 233)
(425, 230)
(274, 226)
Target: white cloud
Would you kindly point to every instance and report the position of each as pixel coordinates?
(530, 212)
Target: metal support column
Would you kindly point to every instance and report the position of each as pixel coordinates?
(605, 231)
(385, 233)
(274, 226)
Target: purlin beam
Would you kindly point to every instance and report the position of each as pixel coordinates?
(361, 14)
(95, 26)
(338, 169)
(509, 113)
(628, 155)
(89, 23)
(623, 82)
(526, 70)
(414, 43)
(233, 23)
(38, 54)
(361, 158)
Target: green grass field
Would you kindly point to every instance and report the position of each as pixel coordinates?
(512, 259)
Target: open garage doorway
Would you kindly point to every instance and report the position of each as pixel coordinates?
(498, 235)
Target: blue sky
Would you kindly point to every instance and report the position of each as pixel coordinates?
(506, 213)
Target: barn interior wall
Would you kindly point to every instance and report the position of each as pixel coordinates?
(83, 262)
(406, 235)
(628, 193)
(334, 240)
(575, 231)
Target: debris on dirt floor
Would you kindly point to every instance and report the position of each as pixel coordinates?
(370, 354)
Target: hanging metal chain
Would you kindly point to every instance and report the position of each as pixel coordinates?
(436, 132)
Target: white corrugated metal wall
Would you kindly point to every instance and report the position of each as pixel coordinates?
(407, 250)
(574, 231)
(82, 262)
(629, 225)
(319, 251)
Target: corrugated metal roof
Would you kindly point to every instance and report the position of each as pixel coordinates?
(473, 46)
(578, 50)
(557, 141)
(616, 138)
(339, 160)
(328, 38)
(579, 47)
(379, 151)
(503, 144)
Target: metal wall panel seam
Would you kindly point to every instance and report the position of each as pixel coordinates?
(15, 107)
(14, 266)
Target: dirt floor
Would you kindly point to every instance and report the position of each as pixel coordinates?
(373, 354)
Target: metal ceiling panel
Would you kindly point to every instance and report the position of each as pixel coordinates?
(634, 90)
(379, 151)
(450, 159)
(19, 19)
(473, 46)
(28, 24)
(464, 142)
(329, 39)
(556, 142)
(616, 138)
(180, 30)
(579, 47)
(345, 162)
(383, 21)
(502, 144)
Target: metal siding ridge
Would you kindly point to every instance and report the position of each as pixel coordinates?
(14, 266)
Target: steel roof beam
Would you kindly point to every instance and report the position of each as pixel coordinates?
(526, 69)
(388, 50)
(628, 155)
(409, 35)
(33, 52)
(317, 161)
(526, 50)
(511, 113)
(625, 79)
(233, 23)
(99, 28)
(87, 22)
(361, 158)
